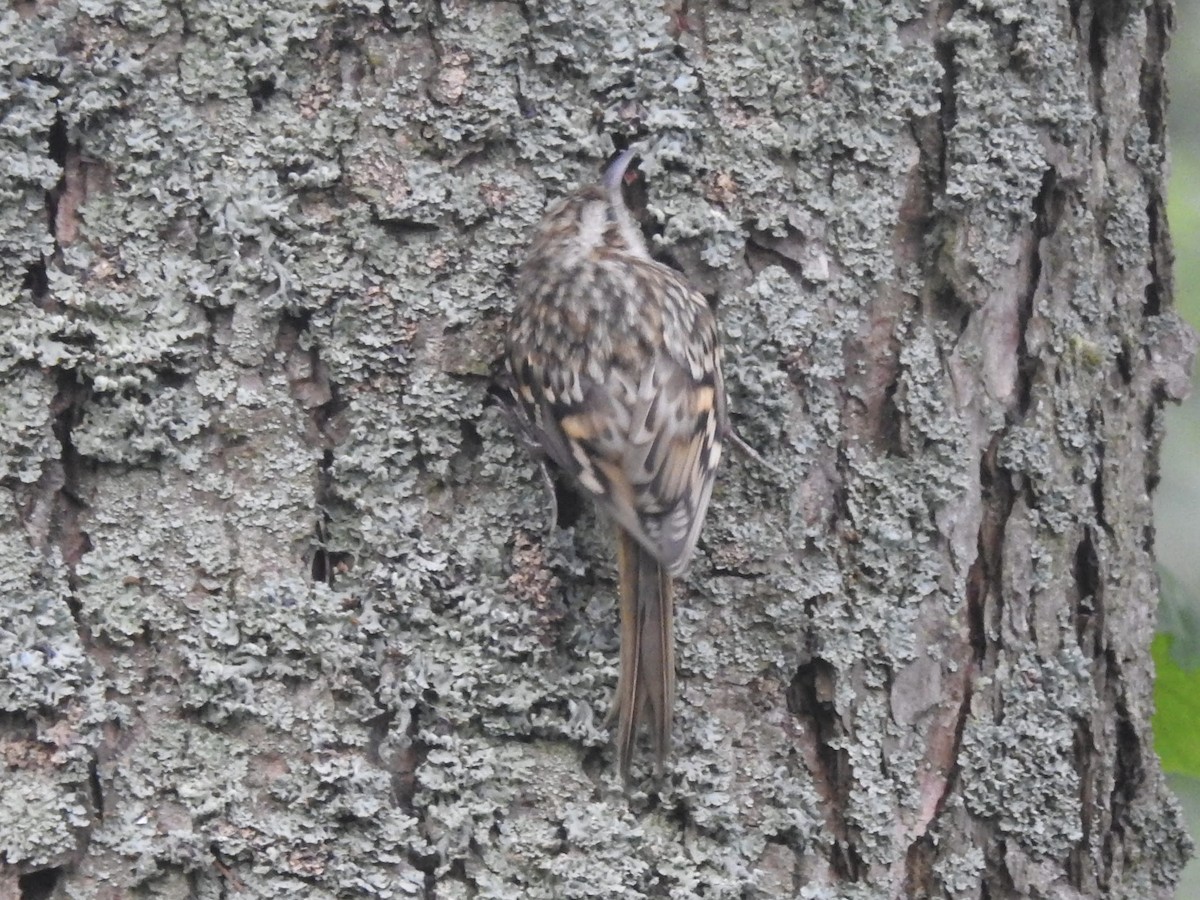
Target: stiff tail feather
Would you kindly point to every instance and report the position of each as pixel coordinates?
(646, 685)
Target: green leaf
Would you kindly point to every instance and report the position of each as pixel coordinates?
(1177, 702)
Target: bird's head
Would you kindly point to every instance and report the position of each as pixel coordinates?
(595, 218)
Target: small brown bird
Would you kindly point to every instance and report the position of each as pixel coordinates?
(615, 363)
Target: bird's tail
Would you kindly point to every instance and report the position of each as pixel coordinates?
(646, 685)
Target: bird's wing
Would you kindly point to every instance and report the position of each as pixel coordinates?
(638, 419)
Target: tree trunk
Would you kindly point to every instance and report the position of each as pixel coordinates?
(281, 614)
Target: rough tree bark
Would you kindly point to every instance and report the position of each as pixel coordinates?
(280, 617)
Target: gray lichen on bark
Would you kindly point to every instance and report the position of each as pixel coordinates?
(280, 617)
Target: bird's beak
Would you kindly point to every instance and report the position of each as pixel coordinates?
(615, 173)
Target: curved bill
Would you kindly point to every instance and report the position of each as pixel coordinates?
(615, 173)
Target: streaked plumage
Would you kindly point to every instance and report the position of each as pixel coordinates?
(615, 362)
